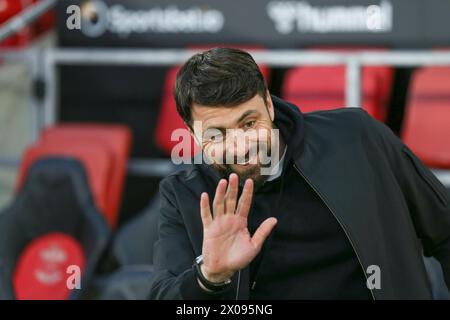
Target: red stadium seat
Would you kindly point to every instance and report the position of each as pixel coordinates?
(8, 9)
(169, 120)
(314, 88)
(41, 270)
(95, 157)
(51, 225)
(427, 116)
(44, 23)
(116, 138)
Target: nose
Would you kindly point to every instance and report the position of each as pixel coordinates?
(237, 143)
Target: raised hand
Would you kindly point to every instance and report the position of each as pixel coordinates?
(227, 243)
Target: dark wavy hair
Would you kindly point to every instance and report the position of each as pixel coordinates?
(217, 77)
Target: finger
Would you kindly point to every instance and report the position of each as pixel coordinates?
(205, 210)
(231, 196)
(263, 232)
(245, 201)
(219, 198)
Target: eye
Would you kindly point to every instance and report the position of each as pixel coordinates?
(213, 137)
(249, 124)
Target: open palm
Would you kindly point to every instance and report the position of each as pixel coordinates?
(227, 243)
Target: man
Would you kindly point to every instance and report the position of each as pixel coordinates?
(344, 198)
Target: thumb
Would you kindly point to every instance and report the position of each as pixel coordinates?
(263, 232)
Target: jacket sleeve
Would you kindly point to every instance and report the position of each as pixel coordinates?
(427, 199)
(174, 277)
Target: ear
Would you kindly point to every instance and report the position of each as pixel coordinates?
(270, 107)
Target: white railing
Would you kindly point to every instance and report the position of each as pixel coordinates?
(272, 58)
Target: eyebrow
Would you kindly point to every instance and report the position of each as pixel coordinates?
(246, 114)
(242, 117)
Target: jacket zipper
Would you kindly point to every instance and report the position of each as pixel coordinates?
(340, 223)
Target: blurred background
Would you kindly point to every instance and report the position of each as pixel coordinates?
(86, 113)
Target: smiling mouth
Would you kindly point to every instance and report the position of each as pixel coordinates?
(248, 160)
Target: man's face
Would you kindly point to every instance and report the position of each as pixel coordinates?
(236, 138)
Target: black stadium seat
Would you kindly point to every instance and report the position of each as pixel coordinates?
(132, 248)
(133, 243)
(54, 203)
(129, 283)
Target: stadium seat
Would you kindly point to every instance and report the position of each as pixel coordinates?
(127, 243)
(8, 9)
(95, 158)
(116, 138)
(129, 283)
(427, 117)
(44, 23)
(51, 224)
(314, 88)
(42, 267)
(132, 280)
(169, 120)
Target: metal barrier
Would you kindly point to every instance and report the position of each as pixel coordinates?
(271, 58)
(44, 64)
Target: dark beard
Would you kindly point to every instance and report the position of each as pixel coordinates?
(253, 173)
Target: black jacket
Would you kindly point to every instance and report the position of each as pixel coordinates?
(391, 207)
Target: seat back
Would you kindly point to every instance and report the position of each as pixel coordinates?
(8, 9)
(46, 22)
(127, 245)
(54, 206)
(314, 88)
(96, 159)
(41, 271)
(116, 138)
(426, 128)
